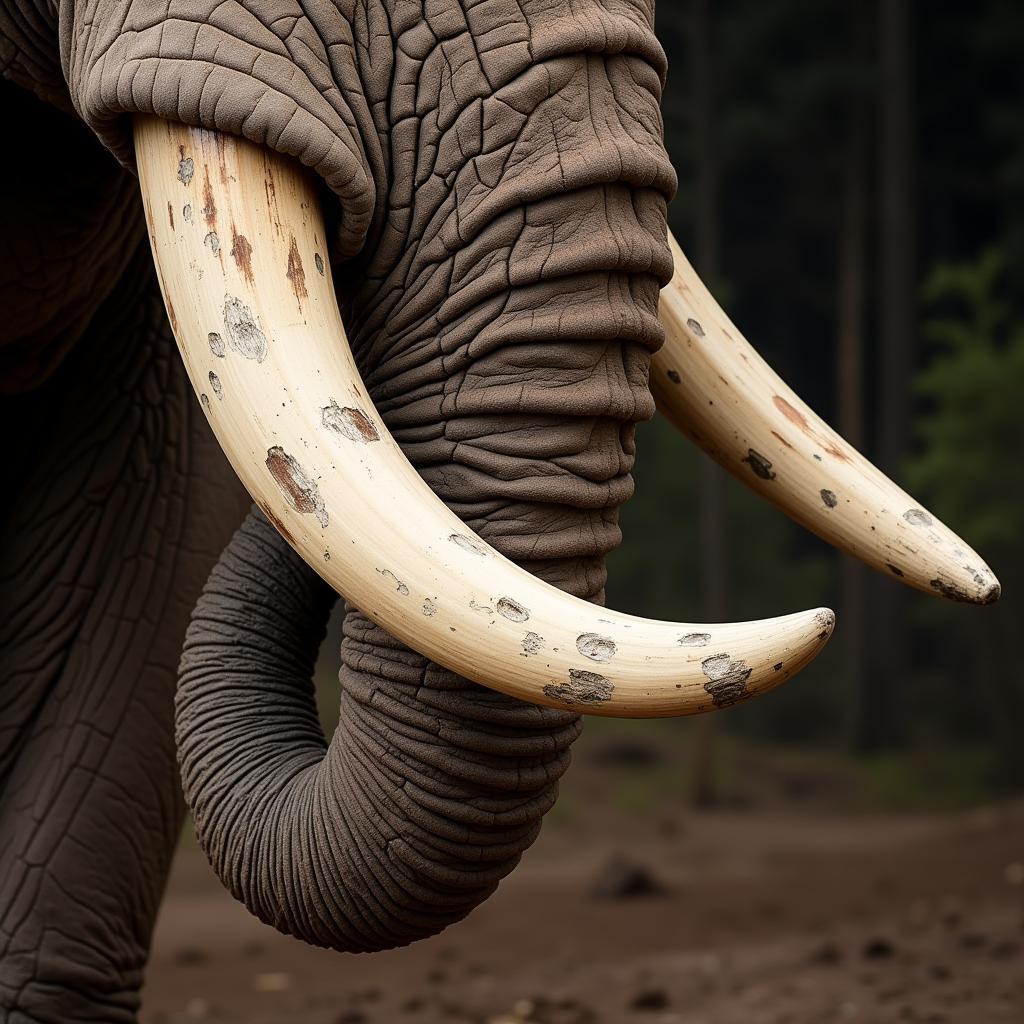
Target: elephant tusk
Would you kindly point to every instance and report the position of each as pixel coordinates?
(713, 386)
(241, 253)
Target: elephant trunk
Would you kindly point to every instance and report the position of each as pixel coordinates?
(425, 798)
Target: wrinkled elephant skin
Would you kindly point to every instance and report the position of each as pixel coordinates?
(499, 190)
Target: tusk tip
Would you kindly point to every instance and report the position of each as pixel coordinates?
(966, 585)
(827, 618)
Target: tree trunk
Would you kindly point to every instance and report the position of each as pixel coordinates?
(897, 326)
(850, 395)
(712, 512)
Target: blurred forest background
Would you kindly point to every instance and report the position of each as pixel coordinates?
(852, 189)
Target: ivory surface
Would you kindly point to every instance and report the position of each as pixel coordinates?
(713, 386)
(239, 245)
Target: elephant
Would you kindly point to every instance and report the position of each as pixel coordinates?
(413, 255)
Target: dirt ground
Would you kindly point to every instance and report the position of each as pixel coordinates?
(631, 908)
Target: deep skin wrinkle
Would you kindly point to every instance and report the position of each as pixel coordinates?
(497, 187)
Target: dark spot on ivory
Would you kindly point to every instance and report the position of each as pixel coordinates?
(727, 679)
(829, 498)
(319, 261)
(695, 326)
(170, 215)
(781, 439)
(470, 544)
(695, 640)
(825, 618)
(241, 253)
(533, 643)
(760, 466)
(399, 585)
(186, 168)
(596, 647)
(894, 569)
(216, 385)
(186, 212)
(429, 608)
(583, 687)
(296, 274)
(950, 590)
(349, 422)
(777, 667)
(512, 610)
(212, 242)
(204, 400)
(298, 488)
(216, 344)
(244, 336)
(957, 593)
(673, 375)
(917, 517)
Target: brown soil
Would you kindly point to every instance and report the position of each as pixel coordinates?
(781, 915)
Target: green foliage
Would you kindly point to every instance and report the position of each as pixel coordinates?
(972, 428)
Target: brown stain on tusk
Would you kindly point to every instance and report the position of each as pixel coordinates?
(209, 206)
(299, 489)
(792, 414)
(349, 422)
(796, 417)
(296, 274)
(241, 253)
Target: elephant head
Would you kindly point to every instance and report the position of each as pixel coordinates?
(412, 254)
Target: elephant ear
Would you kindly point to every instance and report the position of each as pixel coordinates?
(289, 83)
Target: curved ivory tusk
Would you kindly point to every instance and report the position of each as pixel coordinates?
(714, 387)
(239, 245)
